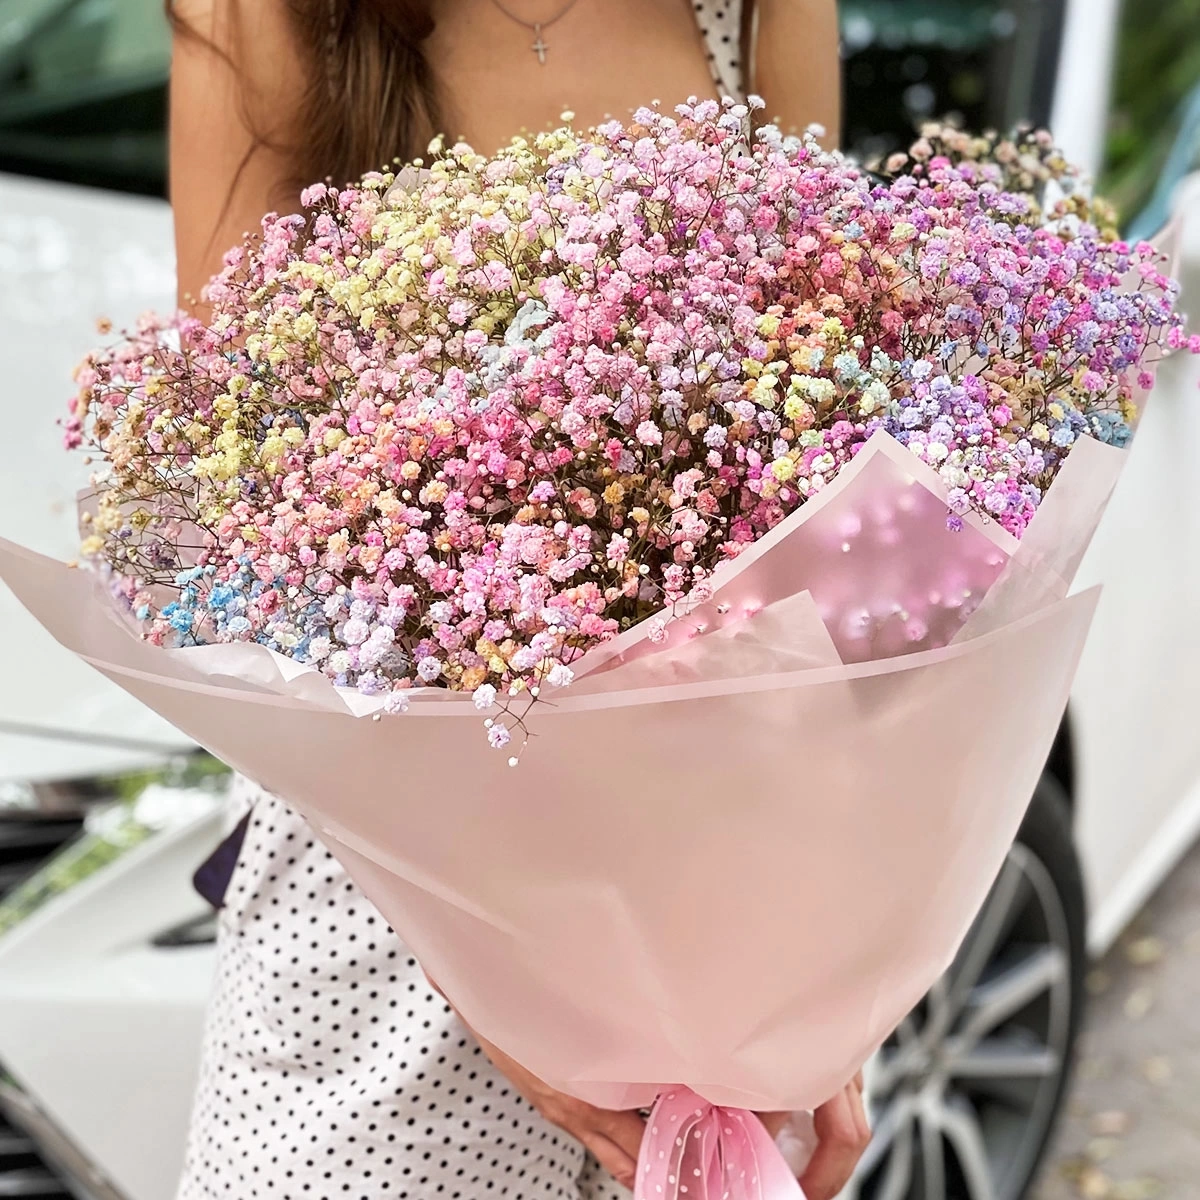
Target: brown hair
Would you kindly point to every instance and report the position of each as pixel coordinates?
(370, 98)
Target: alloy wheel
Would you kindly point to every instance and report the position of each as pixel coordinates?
(965, 1092)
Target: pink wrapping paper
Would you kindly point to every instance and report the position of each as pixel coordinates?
(731, 861)
(872, 550)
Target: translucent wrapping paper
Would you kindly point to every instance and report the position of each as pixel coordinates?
(731, 858)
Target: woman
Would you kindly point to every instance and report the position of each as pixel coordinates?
(331, 1066)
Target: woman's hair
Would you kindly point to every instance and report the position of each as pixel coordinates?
(370, 95)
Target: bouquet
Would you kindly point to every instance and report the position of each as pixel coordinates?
(1026, 163)
(730, 493)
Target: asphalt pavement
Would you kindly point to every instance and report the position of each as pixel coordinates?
(1132, 1127)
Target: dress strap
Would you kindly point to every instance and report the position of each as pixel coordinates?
(727, 27)
(748, 57)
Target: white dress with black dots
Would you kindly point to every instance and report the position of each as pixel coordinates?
(331, 1068)
(720, 23)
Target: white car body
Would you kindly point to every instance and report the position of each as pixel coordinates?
(101, 1029)
(1135, 701)
(1137, 795)
(68, 255)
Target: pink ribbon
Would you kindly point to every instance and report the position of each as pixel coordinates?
(694, 1150)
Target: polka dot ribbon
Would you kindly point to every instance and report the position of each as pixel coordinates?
(694, 1150)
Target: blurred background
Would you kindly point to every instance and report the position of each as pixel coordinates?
(1061, 1056)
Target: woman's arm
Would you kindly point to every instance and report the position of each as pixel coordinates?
(236, 79)
(797, 65)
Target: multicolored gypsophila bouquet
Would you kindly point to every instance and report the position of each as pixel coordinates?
(458, 434)
(1026, 161)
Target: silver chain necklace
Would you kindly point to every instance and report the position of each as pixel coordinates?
(539, 46)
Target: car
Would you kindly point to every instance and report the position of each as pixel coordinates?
(104, 967)
(82, 98)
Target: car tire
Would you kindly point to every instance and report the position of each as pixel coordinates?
(966, 1094)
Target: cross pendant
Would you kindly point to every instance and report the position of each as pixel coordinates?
(539, 47)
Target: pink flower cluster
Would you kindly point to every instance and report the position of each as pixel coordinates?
(455, 434)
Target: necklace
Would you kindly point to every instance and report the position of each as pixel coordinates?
(539, 46)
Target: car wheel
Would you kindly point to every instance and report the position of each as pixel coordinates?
(965, 1094)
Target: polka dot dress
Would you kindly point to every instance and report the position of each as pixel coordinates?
(331, 1068)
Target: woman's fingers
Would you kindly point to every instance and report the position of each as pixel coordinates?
(773, 1122)
(843, 1133)
(624, 1129)
(614, 1138)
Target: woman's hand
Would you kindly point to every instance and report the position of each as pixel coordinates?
(843, 1133)
(614, 1138)
(840, 1132)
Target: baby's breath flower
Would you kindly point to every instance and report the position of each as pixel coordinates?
(560, 676)
(783, 469)
(458, 427)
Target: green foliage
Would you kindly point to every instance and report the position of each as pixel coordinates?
(117, 831)
(1157, 66)
(83, 857)
(192, 770)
